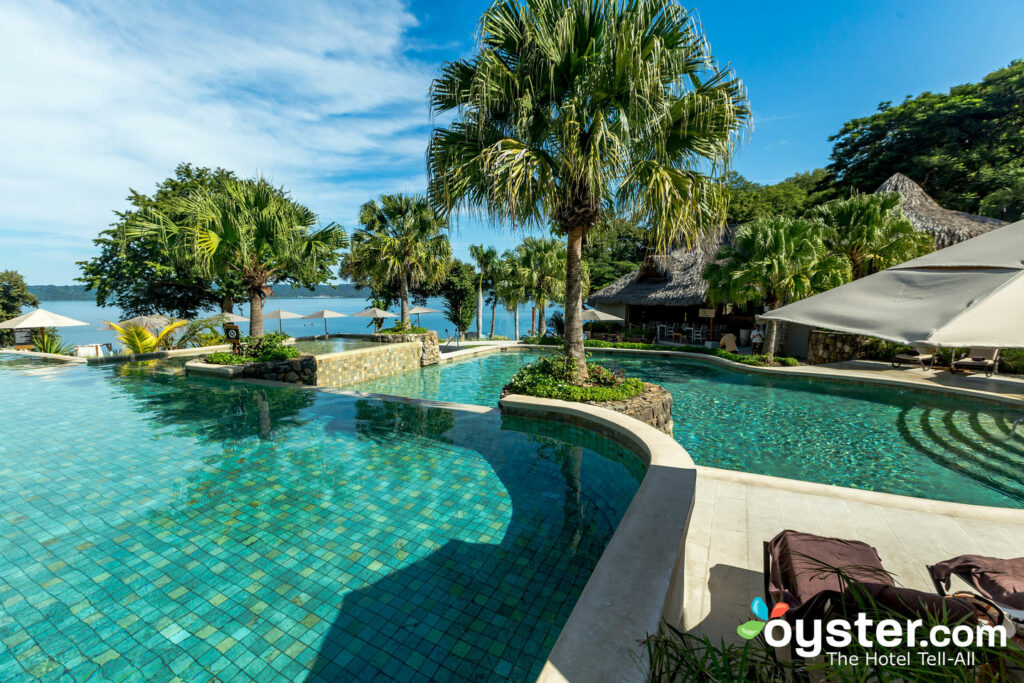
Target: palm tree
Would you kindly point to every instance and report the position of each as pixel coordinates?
(511, 285)
(247, 229)
(572, 105)
(139, 339)
(486, 258)
(871, 231)
(774, 261)
(543, 261)
(402, 240)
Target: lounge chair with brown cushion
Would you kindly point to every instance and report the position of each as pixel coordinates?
(915, 357)
(1001, 581)
(979, 358)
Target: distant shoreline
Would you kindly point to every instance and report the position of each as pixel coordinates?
(79, 293)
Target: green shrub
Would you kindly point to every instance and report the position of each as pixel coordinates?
(1012, 361)
(276, 354)
(51, 342)
(552, 377)
(225, 358)
(404, 330)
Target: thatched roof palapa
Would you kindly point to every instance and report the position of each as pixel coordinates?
(673, 280)
(948, 227)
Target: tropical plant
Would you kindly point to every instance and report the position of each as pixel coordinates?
(140, 277)
(50, 342)
(247, 229)
(871, 231)
(401, 240)
(486, 259)
(458, 291)
(543, 262)
(14, 295)
(199, 333)
(571, 105)
(774, 261)
(510, 287)
(139, 339)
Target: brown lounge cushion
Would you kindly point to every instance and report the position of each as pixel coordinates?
(804, 566)
(999, 580)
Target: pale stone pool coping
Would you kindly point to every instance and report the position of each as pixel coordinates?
(45, 356)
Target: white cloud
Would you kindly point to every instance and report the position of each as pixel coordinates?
(98, 98)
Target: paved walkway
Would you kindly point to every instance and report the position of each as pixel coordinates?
(732, 517)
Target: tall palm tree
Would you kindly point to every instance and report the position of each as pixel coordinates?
(247, 229)
(775, 261)
(401, 240)
(543, 261)
(571, 105)
(486, 259)
(871, 231)
(510, 286)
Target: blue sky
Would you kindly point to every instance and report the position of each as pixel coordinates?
(330, 98)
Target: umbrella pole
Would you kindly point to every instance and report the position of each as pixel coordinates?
(325, 328)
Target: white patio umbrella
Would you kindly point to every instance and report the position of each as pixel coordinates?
(418, 310)
(226, 318)
(40, 320)
(375, 313)
(150, 322)
(969, 294)
(324, 314)
(280, 315)
(595, 315)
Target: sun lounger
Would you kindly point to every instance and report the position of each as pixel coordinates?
(921, 358)
(1001, 581)
(979, 358)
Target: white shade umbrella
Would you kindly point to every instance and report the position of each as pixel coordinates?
(374, 313)
(418, 310)
(39, 318)
(969, 294)
(226, 318)
(324, 314)
(280, 315)
(150, 322)
(596, 315)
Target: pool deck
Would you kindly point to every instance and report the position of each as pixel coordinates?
(734, 513)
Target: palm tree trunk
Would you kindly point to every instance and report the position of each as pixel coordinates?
(515, 317)
(256, 313)
(542, 325)
(405, 300)
(770, 342)
(480, 308)
(574, 302)
(494, 308)
(533, 320)
(227, 304)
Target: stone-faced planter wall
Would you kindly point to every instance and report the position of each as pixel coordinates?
(652, 407)
(301, 370)
(824, 346)
(358, 365)
(431, 352)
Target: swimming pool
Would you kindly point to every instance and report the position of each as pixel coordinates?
(333, 345)
(880, 438)
(156, 526)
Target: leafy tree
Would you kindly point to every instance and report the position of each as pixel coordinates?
(486, 259)
(543, 261)
(617, 246)
(458, 291)
(510, 286)
(138, 277)
(871, 231)
(14, 296)
(569, 105)
(775, 261)
(247, 229)
(401, 241)
(964, 147)
(790, 198)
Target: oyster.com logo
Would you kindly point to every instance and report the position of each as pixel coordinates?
(750, 629)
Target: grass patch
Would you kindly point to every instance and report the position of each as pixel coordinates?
(404, 330)
(552, 377)
(758, 361)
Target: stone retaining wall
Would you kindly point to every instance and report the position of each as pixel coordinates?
(431, 351)
(301, 370)
(824, 347)
(358, 365)
(653, 407)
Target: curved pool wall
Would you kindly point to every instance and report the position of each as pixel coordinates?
(888, 437)
(312, 531)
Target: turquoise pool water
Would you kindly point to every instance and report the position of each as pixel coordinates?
(870, 437)
(153, 526)
(320, 346)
